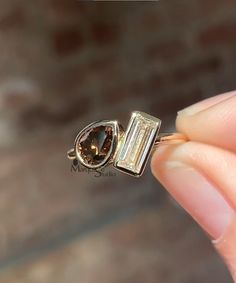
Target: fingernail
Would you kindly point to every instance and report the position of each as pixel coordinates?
(199, 197)
(204, 104)
(191, 110)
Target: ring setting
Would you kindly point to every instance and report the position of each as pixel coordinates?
(105, 142)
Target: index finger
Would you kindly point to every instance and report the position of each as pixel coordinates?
(211, 121)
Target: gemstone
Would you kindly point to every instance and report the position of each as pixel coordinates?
(95, 144)
(138, 143)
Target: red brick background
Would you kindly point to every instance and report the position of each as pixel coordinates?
(66, 63)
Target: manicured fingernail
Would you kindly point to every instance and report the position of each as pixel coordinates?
(199, 197)
(204, 104)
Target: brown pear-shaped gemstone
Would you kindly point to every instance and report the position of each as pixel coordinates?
(95, 144)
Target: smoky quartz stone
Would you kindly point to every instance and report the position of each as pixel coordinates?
(95, 144)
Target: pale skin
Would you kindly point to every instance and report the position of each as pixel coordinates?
(201, 173)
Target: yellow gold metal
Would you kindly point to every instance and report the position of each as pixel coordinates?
(170, 138)
(162, 139)
(128, 150)
(71, 154)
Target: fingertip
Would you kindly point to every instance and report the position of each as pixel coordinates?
(159, 158)
(210, 120)
(204, 104)
(180, 124)
(187, 118)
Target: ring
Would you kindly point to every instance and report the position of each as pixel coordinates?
(106, 142)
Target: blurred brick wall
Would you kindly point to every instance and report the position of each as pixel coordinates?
(66, 60)
(66, 63)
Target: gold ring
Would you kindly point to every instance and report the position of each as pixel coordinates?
(105, 142)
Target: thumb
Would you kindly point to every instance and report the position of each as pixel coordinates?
(192, 174)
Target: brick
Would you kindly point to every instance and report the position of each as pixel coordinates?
(222, 34)
(196, 69)
(158, 80)
(70, 78)
(169, 50)
(67, 7)
(19, 95)
(180, 14)
(169, 105)
(150, 20)
(106, 68)
(56, 115)
(98, 65)
(213, 8)
(67, 41)
(14, 19)
(116, 94)
(104, 33)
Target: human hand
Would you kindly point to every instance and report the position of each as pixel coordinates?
(201, 173)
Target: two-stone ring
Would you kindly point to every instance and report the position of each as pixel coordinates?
(105, 142)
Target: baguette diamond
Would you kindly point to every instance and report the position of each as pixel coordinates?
(139, 138)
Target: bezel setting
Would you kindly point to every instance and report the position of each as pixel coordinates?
(137, 144)
(105, 142)
(117, 131)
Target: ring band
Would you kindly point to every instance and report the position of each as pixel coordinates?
(170, 138)
(105, 142)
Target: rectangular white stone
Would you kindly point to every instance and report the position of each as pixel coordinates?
(138, 141)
